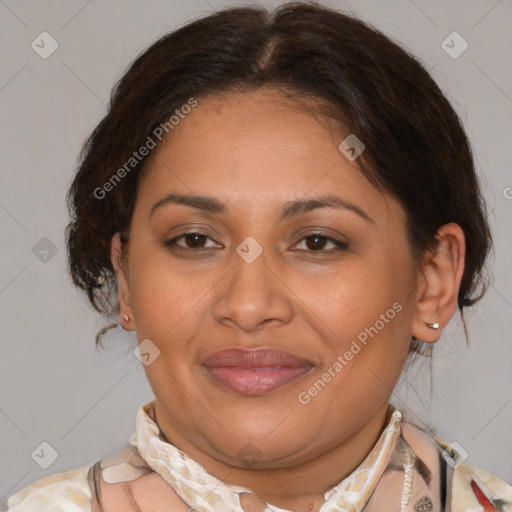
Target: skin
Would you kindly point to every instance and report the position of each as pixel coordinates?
(254, 152)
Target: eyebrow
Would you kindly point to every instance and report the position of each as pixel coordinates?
(288, 210)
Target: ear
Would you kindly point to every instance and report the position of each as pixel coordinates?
(123, 288)
(439, 282)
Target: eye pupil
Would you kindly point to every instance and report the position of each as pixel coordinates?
(315, 245)
(196, 239)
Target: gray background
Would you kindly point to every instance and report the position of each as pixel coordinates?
(55, 386)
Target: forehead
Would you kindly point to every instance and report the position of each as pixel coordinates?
(253, 147)
(263, 124)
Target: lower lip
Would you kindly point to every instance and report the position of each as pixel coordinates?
(256, 381)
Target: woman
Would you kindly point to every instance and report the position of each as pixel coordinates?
(284, 208)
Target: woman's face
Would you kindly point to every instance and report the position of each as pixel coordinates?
(341, 303)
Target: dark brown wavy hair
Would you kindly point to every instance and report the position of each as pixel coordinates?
(416, 148)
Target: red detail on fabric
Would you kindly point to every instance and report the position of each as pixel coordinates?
(482, 498)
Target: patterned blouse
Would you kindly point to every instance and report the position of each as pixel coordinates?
(408, 470)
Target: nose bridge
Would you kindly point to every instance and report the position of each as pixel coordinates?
(252, 293)
(252, 277)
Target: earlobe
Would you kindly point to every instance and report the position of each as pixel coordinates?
(124, 303)
(439, 283)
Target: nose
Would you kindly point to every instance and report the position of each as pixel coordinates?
(253, 296)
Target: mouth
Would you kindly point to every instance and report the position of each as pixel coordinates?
(255, 371)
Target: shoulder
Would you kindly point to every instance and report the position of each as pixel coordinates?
(60, 492)
(474, 488)
(469, 488)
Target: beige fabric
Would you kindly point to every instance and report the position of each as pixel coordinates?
(494, 487)
(67, 491)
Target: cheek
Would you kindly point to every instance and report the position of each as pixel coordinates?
(351, 299)
(164, 303)
(364, 315)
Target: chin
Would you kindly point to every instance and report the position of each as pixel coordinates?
(267, 448)
(263, 454)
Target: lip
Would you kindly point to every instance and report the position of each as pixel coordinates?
(258, 371)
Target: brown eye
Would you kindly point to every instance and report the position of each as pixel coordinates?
(192, 240)
(316, 242)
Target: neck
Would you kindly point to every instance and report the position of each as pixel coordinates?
(296, 488)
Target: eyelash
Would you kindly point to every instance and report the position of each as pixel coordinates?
(340, 246)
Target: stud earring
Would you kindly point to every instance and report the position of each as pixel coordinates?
(435, 325)
(126, 319)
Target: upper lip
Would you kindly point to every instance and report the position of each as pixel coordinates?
(254, 358)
